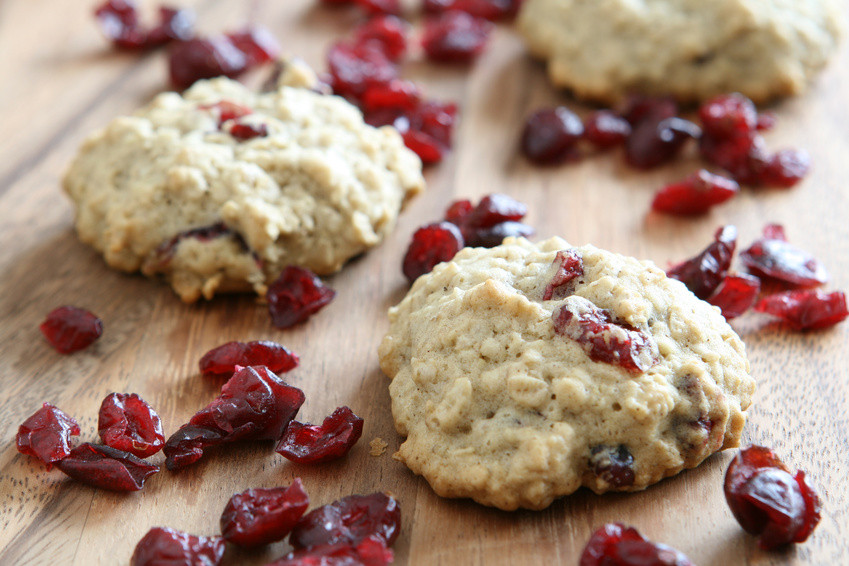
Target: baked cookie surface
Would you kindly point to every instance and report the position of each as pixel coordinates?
(509, 399)
(691, 49)
(173, 191)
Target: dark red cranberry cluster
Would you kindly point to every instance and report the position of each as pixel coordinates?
(770, 259)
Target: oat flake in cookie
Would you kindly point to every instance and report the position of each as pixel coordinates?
(691, 49)
(621, 377)
(220, 197)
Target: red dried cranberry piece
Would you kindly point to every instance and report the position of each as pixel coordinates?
(494, 235)
(430, 245)
(768, 500)
(736, 294)
(127, 422)
(703, 274)
(166, 250)
(314, 444)
(455, 37)
(494, 209)
(605, 129)
(105, 467)
(615, 544)
(349, 520)
(458, 210)
(806, 309)
(262, 516)
(570, 265)
(355, 68)
(489, 9)
(118, 20)
(654, 142)
(728, 116)
(243, 131)
(777, 259)
(425, 146)
(435, 119)
(162, 546)
(603, 339)
(371, 551)
(774, 232)
(224, 359)
(550, 135)
(70, 329)
(638, 108)
(786, 168)
(226, 110)
(696, 194)
(394, 95)
(493, 219)
(189, 61)
(744, 157)
(257, 43)
(174, 24)
(388, 33)
(613, 465)
(47, 435)
(392, 7)
(295, 296)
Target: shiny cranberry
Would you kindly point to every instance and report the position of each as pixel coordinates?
(455, 37)
(613, 465)
(371, 551)
(494, 218)
(638, 108)
(119, 22)
(387, 32)
(786, 168)
(296, 295)
(224, 359)
(736, 294)
(425, 146)
(728, 116)
(349, 520)
(494, 235)
(569, 265)
(777, 259)
(550, 136)
(257, 43)
(314, 444)
(358, 67)
(806, 309)
(768, 500)
(458, 211)
(394, 95)
(226, 110)
(189, 61)
(605, 129)
(70, 329)
(489, 9)
(429, 130)
(244, 131)
(106, 468)
(127, 422)
(162, 546)
(494, 209)
(615, 544)
(174, 24)
(744, 157)
(262, 516)
(431, 244)
(703, 273)
(696, 194)
(654, 142)
(47, 435)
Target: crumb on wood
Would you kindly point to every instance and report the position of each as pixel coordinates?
(378, 446)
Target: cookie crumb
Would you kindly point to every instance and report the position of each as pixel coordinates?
(378, 446)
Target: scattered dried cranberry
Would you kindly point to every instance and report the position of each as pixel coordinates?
(654, 142)
(69, 329)
(224, 359)
(777, 259)
(106, 468)
(127, 422)
(603, 339)
(696, 194)
(314, 444)
(638, 108)
(162, 546)
(257, 43)
(494, 218)
(226, 110)
(489, 9)
(47, 435)
(243, 131)
(387, 32)
(736, 294)
(728, 116)
(371, 551)
(550, 136)
(119, 22)
(349, 520)
(455, 37)
(615, 544)
(786, 168)
(430, 245)
(423, 145)
(768, 500)
(403, 96)
(704, 273)
(262, 516)
(806, 309)
(605, 129)
(295, 296)
(354, 68)
(570, 265)
(613, 465)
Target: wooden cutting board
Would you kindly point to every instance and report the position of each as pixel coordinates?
(60, 81)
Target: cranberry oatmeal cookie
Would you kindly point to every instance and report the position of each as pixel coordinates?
(523, 372)
(219, 189)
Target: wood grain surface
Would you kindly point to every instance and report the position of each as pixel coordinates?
(59, 80)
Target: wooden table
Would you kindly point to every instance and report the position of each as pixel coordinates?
(60, 81)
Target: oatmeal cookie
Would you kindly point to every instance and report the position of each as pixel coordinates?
(219, 189)
(691, 49)
(523, 372)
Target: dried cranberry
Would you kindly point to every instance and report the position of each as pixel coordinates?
(654, 142)
(349, 520)
(806, 309)
(425, 146)
(106, 468)
(257, 43)
(224, 359)
(295, 296)
(768, 500)
(455, 37)
(70, 329)
(47, 435)
(603, 339)
(728, 115)
(127, 422)
(162, 546)
(394, 95)
(314, 444)
(744, 157)
(613, 465)
(786, 168)
(696, 194)
(493, 219)
(777, 259)
(430, 245)
(164, 253)
(119, 22)
(189, 61)
(605, 129)
(380, 6)
(550, 135)
(494, 235)
(489, 9)
(174, 24)
(387, 32)
(703, 274)
(435, 119)
(638, 108)
(494, 209)
(615, 544)
(226, 110)
(355, 68)
(736, 294)
(243, 131)
(262, 516)
(570, 265)
(371, 551)
(458, 211)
